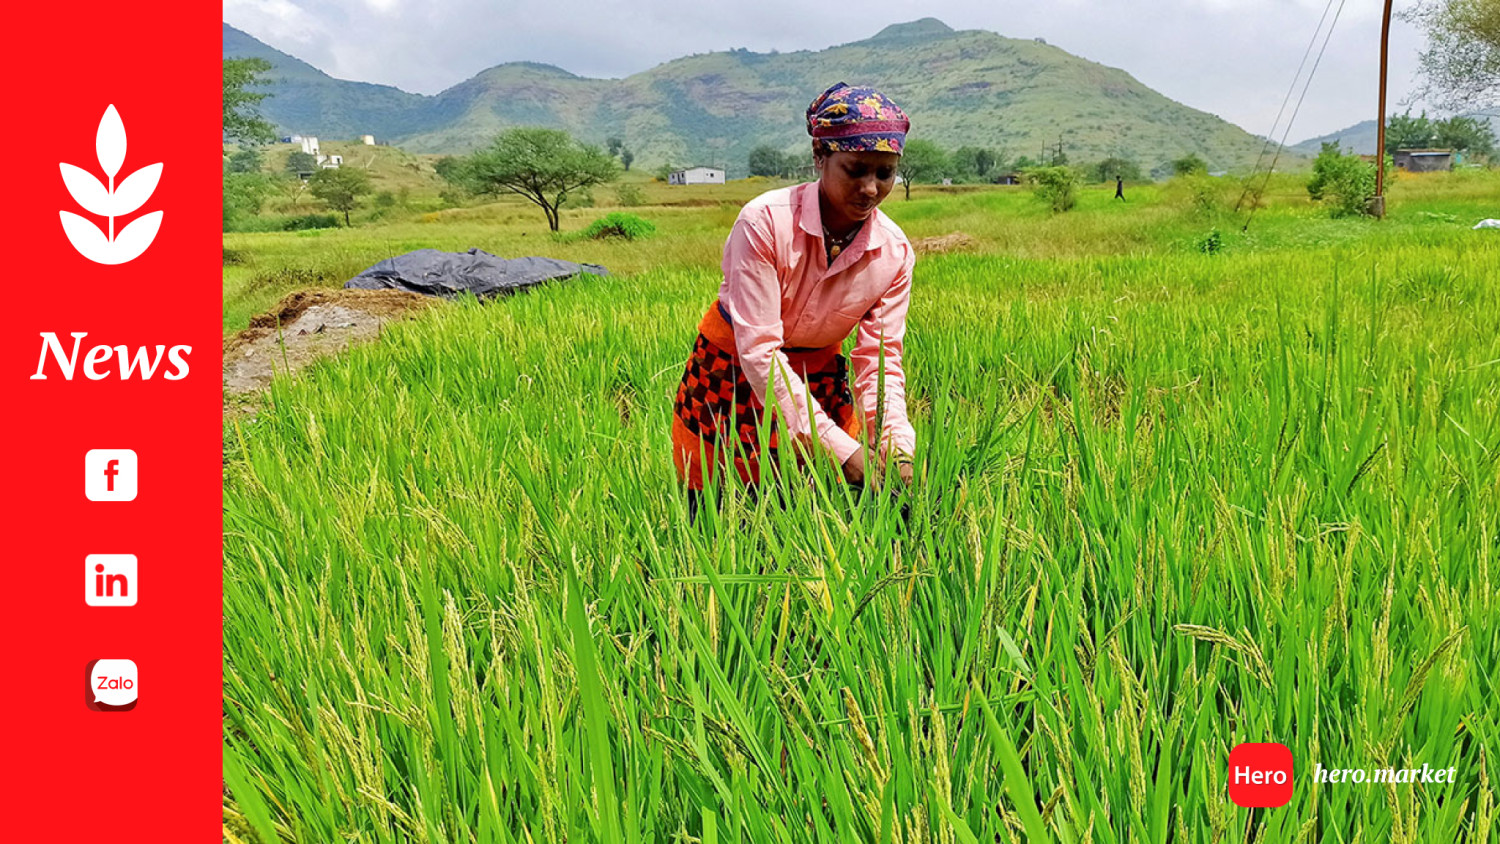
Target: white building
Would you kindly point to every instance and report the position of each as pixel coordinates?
(368, 139)
(309, 145)
(696, 176)
(330, 162)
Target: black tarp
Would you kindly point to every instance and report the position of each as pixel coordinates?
(434, 273)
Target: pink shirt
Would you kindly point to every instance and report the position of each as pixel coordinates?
(780, 291)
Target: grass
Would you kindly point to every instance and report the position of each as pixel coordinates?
(1167, 502)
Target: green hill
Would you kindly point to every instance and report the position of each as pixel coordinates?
(961, 87)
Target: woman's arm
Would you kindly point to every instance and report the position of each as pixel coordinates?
(752, 295)
(887, 319)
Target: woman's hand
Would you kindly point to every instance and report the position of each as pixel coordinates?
(854, 467)
(856, 471)
(906, 468)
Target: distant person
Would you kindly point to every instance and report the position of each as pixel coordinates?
(1119, 188)
(803, 266)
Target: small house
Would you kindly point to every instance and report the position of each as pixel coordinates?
(368, 139)
(309, 145)
(696, 176)
(330, 162)
(1423, 160)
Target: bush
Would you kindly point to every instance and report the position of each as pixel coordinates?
(630, 195)
(310, 221)
(1203, 193)
(1343, 182)
(1054, 185)
(618, 224)
(1188, 165)
(1212, 244)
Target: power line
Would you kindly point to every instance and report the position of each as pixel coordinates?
(1284, 100)
(1281, 146)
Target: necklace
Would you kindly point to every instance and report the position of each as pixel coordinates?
(839, 244)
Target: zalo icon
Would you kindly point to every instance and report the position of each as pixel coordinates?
(113, 685)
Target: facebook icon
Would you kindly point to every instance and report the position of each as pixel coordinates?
(109, 474)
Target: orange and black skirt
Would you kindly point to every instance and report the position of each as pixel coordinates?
(715, 411)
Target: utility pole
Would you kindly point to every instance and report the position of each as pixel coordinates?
(1377, 205)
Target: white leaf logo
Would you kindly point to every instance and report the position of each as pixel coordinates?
(109, 201)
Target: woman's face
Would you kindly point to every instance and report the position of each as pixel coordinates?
(855, 182)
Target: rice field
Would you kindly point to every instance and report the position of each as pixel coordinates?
(1167, 501)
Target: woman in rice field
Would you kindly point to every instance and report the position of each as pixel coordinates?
(804, 266)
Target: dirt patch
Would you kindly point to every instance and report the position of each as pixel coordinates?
(952, 242)
(314, 324)
(382, 303)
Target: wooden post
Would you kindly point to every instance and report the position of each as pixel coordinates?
(1377, 205)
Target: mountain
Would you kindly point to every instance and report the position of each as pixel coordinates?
(1362, 137)
(307, 100)
(961, 87)
(1359, 138)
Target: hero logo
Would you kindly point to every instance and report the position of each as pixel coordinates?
(111, 201)
(97, 361)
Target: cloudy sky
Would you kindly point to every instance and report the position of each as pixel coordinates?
(1233, 58)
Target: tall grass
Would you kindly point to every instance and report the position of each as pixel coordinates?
(1166, 502)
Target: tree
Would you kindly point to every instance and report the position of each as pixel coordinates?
(1460, 64)
(242, 120)
(301, 162)
(1109, 168)
(543, 165)
(450, 168)
(626, 157)
(974, 163)
(246, 160)
(453, 170)
(921, 161)
(1465, 134)
(613, 146)
(766, 161)
(340, 188)
(1402, 131)
(244, 194)
(1461, 134)
(1189, 164)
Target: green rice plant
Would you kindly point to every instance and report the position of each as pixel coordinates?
(1165, 503)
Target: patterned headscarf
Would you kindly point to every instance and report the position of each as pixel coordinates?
(845, 119)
